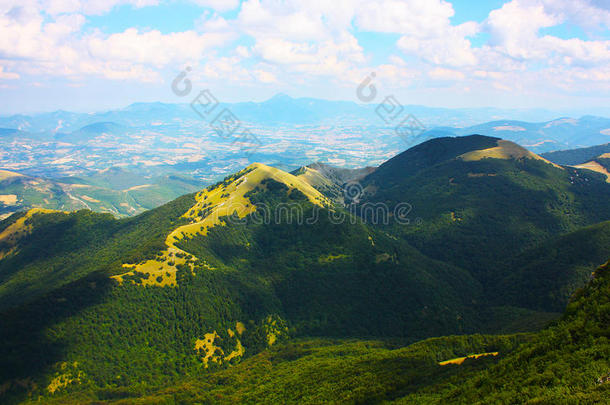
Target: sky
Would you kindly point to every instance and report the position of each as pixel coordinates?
(102, 54)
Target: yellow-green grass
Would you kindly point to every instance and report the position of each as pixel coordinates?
(314, 178)
(460, 360)
(382, 257)
(138, 187)
(504, 150)
(230, 199)
(331, 258)
(89, 199)
(208, 350)
(161, 272)
(67, 375)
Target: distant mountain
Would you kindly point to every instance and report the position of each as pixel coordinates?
(10, 134)
(278, 110)
(284, 109)
(546, 136)
(600, 165)
(92, 131)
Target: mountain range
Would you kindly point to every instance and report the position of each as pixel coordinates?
(280, 108)
(538, 130)
(553, 135)
(324, 284)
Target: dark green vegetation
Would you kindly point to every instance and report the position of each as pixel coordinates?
(528, 279)
(65, 247)
(501, 245)
(114, 190)
(480, 214)
(568, 363)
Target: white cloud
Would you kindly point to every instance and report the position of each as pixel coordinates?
(451, 49)
(440, 73)
(37, 45)
(311, 38)
(590, 14)
(153, 47)
(416, 18)
(515, 27)
(265, 77)
(293, 42)
(425, 27)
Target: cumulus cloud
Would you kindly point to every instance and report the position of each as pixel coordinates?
(450, 49)
(515, 33)
(591, 14)
(416, 18)
(440, 73)
(153, 47)
(38, 45)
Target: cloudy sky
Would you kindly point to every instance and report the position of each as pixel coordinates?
(98, 54)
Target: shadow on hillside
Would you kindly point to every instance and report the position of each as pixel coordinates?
(28, 350)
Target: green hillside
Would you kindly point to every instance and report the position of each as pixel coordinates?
(262, 288)
(196, 268)
(481, 201)
(567, 362)
(545, 276)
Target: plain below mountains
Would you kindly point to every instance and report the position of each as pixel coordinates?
(113, 190)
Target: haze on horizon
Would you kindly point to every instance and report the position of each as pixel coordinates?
(96, 55)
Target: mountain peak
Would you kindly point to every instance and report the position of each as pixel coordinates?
(229, 197)
(280, 97)
(435, 151)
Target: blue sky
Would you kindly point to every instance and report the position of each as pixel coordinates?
(99, 54)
